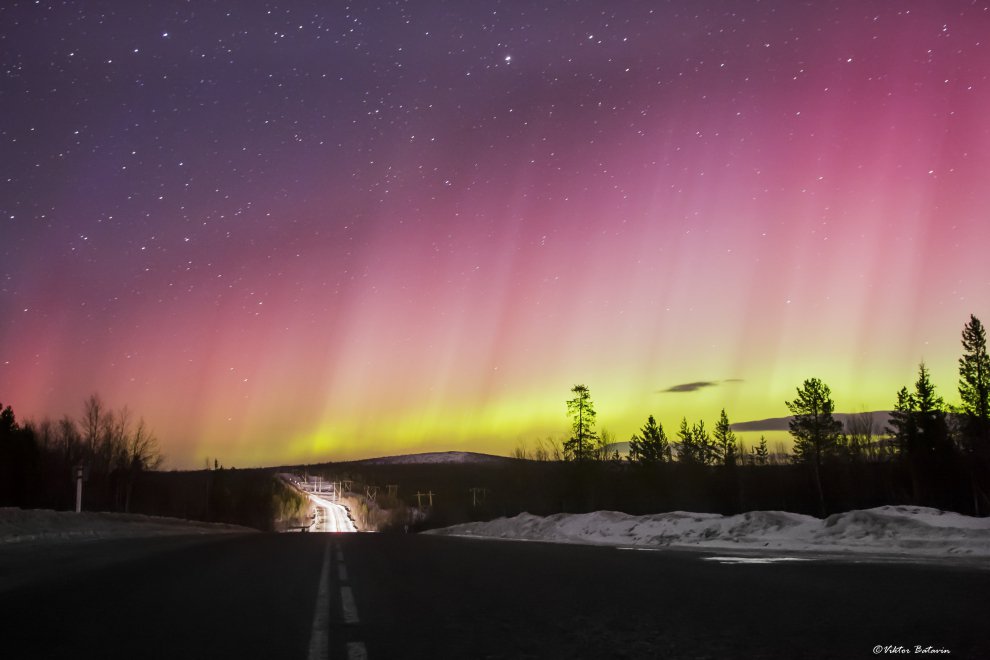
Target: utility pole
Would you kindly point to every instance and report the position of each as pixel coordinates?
(372, 492)
(393, 490)
(420, 496)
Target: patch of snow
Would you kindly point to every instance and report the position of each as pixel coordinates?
(903, 530)
(46, 526)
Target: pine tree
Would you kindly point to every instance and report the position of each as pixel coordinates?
(815, 431)
(580, 445)
(651, 445)
(725, 440)
(974, 387)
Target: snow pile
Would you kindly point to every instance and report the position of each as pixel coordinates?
(42, 525)
(907, 530)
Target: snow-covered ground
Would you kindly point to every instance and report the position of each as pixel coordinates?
(46, 526)
(888, 530)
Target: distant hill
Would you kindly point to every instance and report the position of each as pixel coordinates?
(436, 457)
(880, 420)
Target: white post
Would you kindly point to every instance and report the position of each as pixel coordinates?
(79, 477)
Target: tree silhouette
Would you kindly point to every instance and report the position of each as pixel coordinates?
(687, 448)
(920, 431)
(725, 440)
(815, 431)
(651, 445)
(582, 413)
(974, 388)
(761, 454)
(703, 443)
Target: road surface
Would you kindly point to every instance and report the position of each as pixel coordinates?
(330, 516)
(378, 596)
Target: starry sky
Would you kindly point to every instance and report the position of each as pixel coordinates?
(301, 231)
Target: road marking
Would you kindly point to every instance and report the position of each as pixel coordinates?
(356, 651)
(340, 555)
(342, 571)
(754, 560)
(348, 606)
(319, 642)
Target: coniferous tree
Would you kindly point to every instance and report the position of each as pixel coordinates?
(703, 444)
(934, 439)
(580, 445)
(725, 440)
(687, 448)
(920, 431)
(761, 454)
(650, 446)
(974, 388)
(902, 426)
(815, 431)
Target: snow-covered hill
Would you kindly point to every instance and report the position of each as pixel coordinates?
(435, 457)
(902, 530)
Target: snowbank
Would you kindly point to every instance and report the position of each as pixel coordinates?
(902, 530)
(45, 526)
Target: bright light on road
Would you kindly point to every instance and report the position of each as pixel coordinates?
(330, 516)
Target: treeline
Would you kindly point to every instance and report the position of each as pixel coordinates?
(930, 453)
(119, 457)
(38, 461)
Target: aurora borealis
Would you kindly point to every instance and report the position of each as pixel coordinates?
(308, 231)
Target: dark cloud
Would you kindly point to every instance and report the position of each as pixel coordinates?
(699, 385)
(691, 387)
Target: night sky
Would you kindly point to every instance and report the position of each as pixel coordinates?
(310, 230)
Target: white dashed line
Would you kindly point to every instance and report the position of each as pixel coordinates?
(348, 606)
(342, 571)
(356, 651)
(319, 643)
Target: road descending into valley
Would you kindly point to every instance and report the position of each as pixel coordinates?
(383, 596)
(330, 516)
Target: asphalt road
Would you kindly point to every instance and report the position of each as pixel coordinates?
(262, 596)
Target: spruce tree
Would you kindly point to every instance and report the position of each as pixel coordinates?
(704, 447)
(725, 440)
(920, 431)
(760, 453)
(974, 387)
(651, 445)
(934, 440)
(687, 449)
(902, 426)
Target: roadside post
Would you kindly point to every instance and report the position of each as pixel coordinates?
(79, 479)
